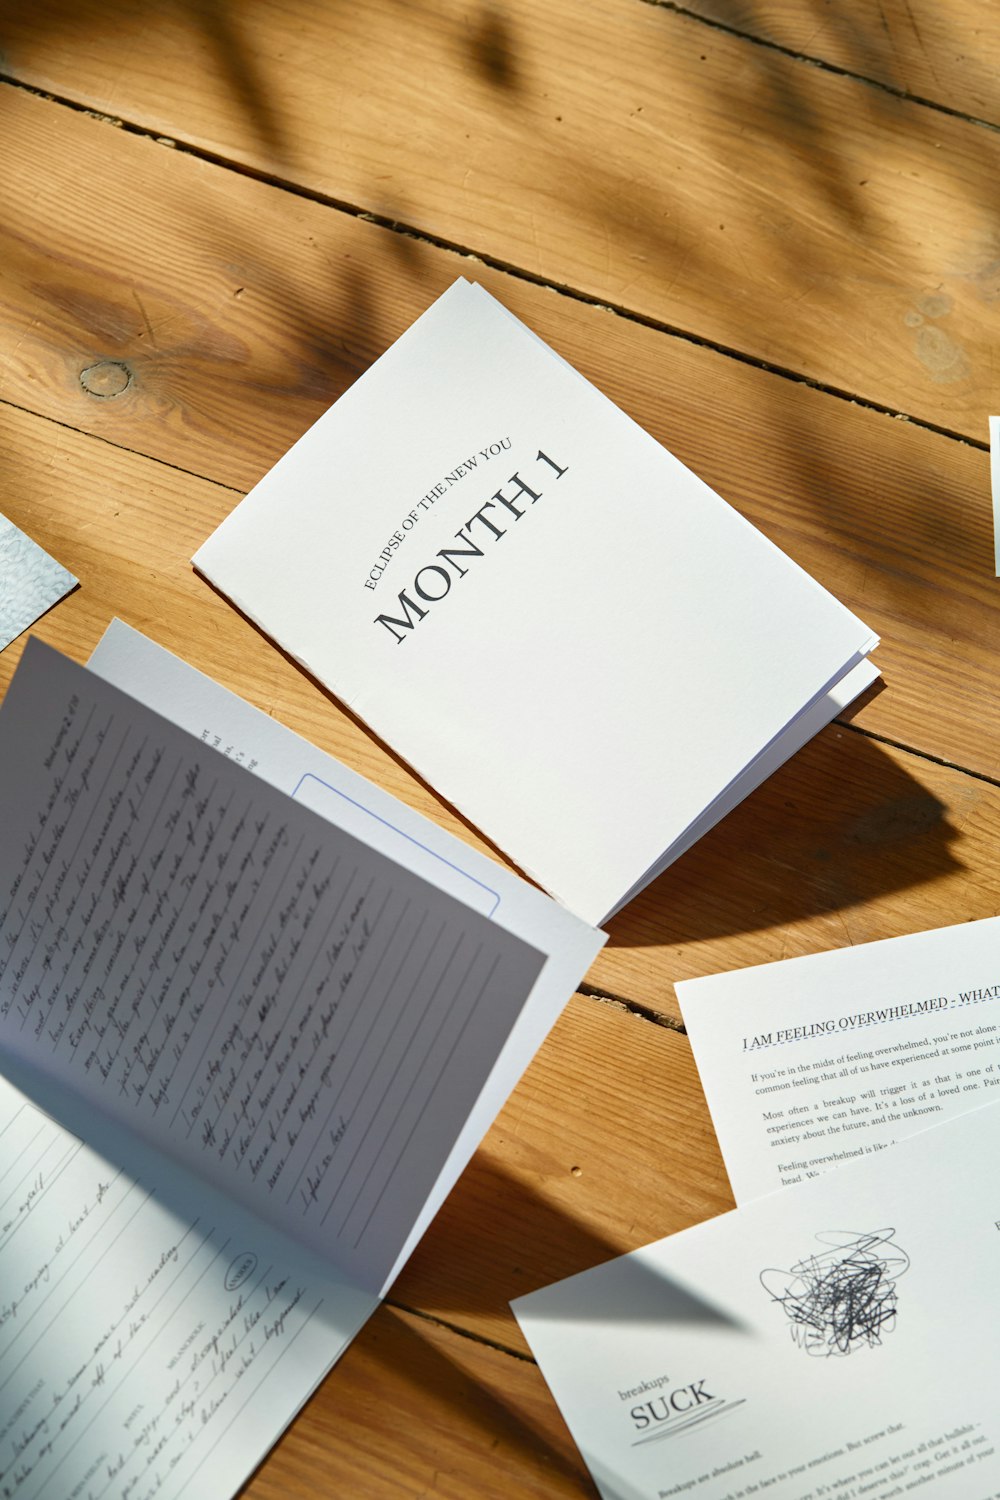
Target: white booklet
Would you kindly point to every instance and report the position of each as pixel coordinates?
(484, 558)
(825, 1059)
(280, 1045)
(830, 1342)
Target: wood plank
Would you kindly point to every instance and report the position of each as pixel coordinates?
(624, 149)
(605, 1145)
(940, 50)
(414, 1410)
(893, 519)
(230, 313)
(851, 840)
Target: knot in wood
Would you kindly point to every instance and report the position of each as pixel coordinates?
(109, 377)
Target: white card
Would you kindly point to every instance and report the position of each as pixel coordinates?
(479, 553)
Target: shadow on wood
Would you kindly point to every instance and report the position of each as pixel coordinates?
(841, 825)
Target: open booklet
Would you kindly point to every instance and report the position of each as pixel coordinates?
(479, 554)
(828, 1341)
(279, 1043)
(825, 1059)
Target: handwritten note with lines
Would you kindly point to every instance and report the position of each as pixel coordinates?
(286, 1009)
(137, 1342)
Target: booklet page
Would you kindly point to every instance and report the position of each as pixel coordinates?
(827, 1341)
(294, 1016)
(266, 747)
(827, 1058)
(154, 1339)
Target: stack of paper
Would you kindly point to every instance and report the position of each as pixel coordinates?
(478, 552)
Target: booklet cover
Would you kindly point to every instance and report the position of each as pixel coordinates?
(569, 635)
(827, 1058)
(826, 1341)
(280, 1044)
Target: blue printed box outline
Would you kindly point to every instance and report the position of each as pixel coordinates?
(310, 776)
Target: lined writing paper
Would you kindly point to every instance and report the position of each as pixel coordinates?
(145, 1348)
(287, 1011)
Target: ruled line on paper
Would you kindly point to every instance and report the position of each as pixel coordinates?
(437, 1079)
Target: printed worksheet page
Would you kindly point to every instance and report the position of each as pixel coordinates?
(826, 1341)
(828, 1058)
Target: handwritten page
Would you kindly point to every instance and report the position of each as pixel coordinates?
(828, 1058)
(154, 1340)
(482, 538)
(824, 1341)
(30, 581)
(267, 748)
(258, 741)
(292, 1015)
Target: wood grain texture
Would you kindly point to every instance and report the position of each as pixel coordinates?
(169, 325)
(415, 1411)
(240, 314)
(940, 50)
(851, 840)
(800, 217)
(605, 1145)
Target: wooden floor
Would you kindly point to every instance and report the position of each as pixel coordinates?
(770, 230)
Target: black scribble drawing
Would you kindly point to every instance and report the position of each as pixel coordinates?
(843, 1297)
